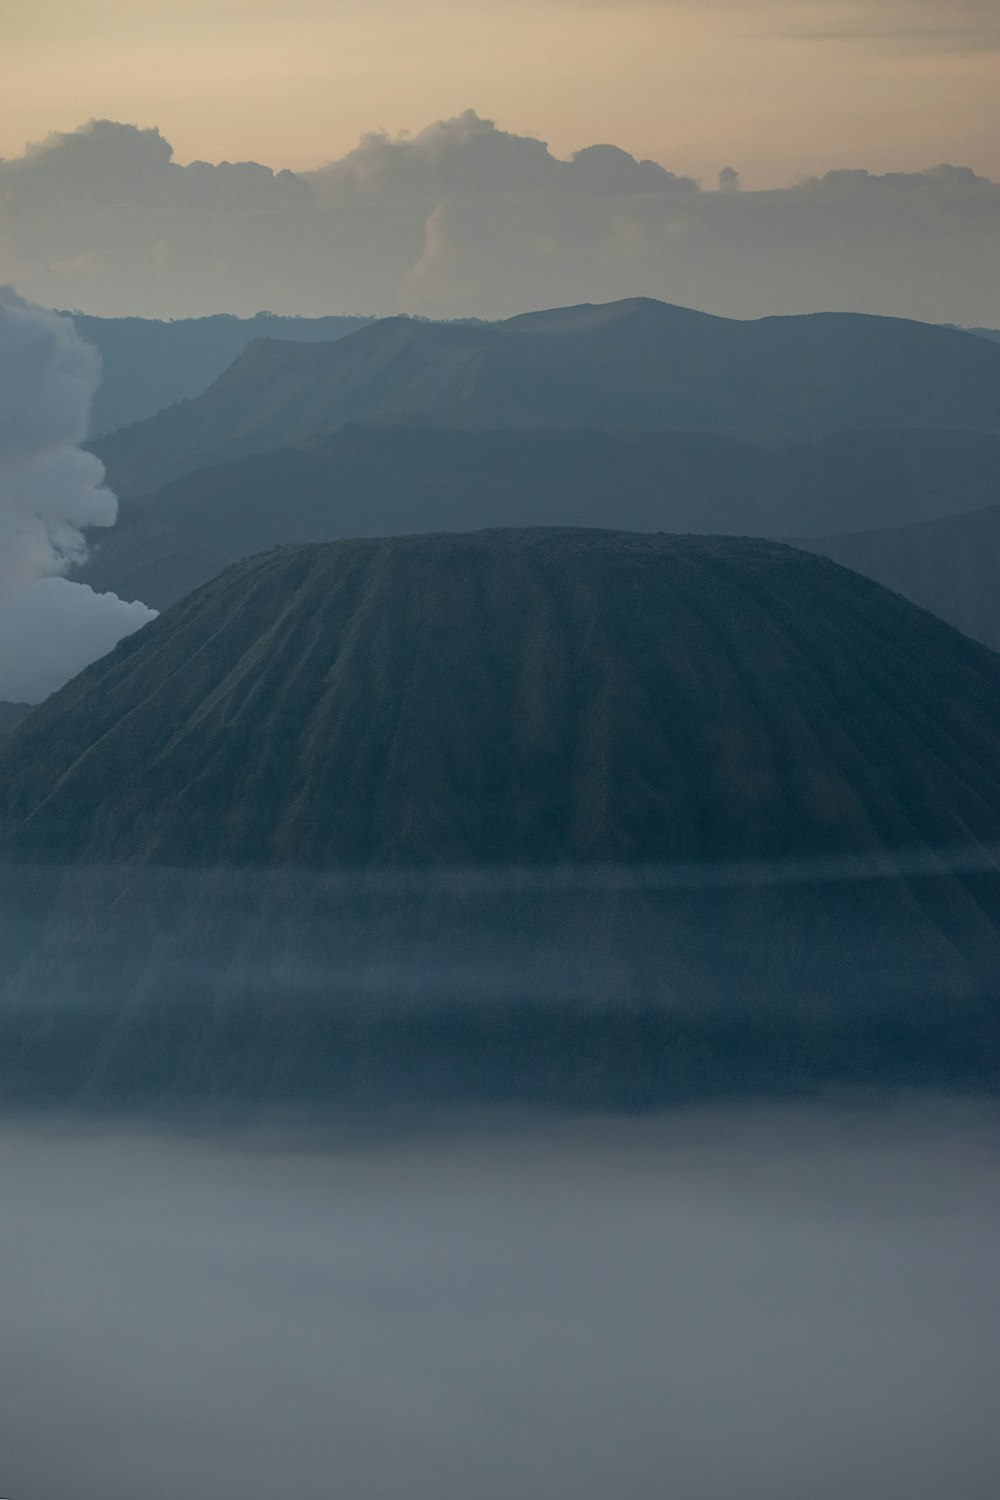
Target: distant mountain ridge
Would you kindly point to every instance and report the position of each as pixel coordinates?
(12, 714)
(950, 566)
(369, 480)
(149, 364)
(638, 363)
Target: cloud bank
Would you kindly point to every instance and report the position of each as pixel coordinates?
(465, 218)
(50, 491)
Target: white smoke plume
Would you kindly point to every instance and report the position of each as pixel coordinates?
(50, 491)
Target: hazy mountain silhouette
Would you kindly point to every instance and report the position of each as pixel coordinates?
(950, 566)
(11, 714)
(638, 363)
(148, 364)
(493, 696)
(371, 480)
(471, 815)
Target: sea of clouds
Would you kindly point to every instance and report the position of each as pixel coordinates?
(714, 1304)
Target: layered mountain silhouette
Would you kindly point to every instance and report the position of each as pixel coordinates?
(147, 364)
(11, 714)
(557, 815)
(950, 566)
(369, 480)
(635, 364)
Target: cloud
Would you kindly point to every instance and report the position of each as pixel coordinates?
(919, 244)
(469, 154)
(465, 218)
(50, 491)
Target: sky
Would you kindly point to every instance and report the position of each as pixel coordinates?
(777, 88)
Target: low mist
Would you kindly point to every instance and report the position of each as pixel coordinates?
(766, 1302)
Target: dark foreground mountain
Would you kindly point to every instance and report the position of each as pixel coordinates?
(950, 565)
(147, 364)
(371, 480)
(632, 364)
(553, 815)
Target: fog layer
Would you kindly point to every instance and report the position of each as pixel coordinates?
(712, 1305)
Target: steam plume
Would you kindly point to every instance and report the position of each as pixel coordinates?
(50, 490)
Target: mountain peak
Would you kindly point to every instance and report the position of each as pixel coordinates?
(517, 695)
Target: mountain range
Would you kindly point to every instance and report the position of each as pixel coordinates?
(574, 808)
(371, 480)
(11, 714)
(634, 414)
(147, 364)
(633, 364)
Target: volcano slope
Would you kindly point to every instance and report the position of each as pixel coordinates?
(572, 816)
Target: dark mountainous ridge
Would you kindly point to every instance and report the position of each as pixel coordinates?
(634, 364)
(11, 714)
(366, 480)
(950, 566)
(148, 365)
(517, 696)
(373, 481)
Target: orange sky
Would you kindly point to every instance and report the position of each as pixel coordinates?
(778, 88)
